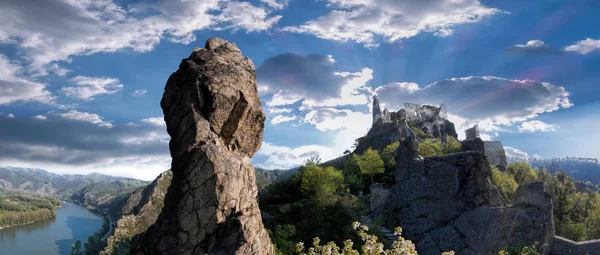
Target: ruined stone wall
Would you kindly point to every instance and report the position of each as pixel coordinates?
(564, 246)
(494, 151)
(472, 133)
(424, 113)
(379, 194)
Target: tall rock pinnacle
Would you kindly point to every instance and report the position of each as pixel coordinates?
(215, 120)
(377, 113)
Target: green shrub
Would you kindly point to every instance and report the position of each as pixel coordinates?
(505, 183)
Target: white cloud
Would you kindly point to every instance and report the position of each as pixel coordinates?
(537, 126)
(15, 87)
(88, 87)
(85, 117)
(281, 118)
(243, 15)
(78, 142)
(515, 153)
(89, 27)
(349, 93)
(282, 157)
(10, 115)
(331, 119)
(363, 21)
(272, 110)
(532, 44)
(159, 121)
(283, 98)
(140, 92)
(584, 46)
(314, 80)
(275, 4)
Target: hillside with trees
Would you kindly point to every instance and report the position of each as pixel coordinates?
(18, 208)
(46, 183)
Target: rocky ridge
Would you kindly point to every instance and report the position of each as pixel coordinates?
(214, 117)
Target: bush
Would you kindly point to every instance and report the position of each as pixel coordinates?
(522, 172)
(387, 155)
(371, 246)
(505, 183)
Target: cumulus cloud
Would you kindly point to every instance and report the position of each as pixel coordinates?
(87, 87)
(515, 153)
(533, 47)
(82, 141)
(158, 121)
(140, 92)
(88, 27)
(283, 157)
(331, 119)
(537, 126)
(584, 46)
(490, 101)
(15, 86)
(363, 21)
(85, 117)
(312, 78)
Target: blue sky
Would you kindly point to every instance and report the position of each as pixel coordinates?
(81, 81)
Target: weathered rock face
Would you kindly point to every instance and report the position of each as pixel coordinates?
(216, 123)
(448, 203)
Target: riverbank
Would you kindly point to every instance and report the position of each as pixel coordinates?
(54, 236)
(31, 222)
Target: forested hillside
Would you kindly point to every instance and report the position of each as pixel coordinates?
(17, 208)
(46, 183)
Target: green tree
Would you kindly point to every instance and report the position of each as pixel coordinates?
(522, 172)
(321, 183)
(387, 155)
(351, 166)
(370, 163)
(76, 248)
(281, 239)
(430, 147)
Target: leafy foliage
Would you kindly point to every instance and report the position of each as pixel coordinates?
(370, 163)
(576, 214)
(312, 202)
(321, 183)
(387, 155)
(435, 147)
(370, 247)
(505, 183)
(522, 172)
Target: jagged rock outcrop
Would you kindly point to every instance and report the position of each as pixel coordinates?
(387, 125)
(136, 213)
(448, 203)
(214, 117)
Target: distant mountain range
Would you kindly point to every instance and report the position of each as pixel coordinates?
(581, 169)
(92, 188)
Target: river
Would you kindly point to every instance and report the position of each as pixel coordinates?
(53, 236)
